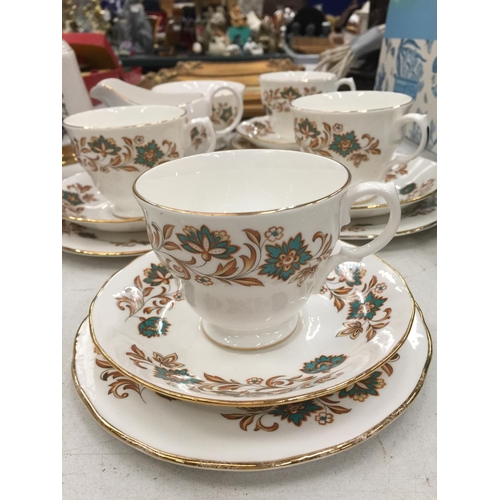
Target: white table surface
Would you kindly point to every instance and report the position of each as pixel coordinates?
(400, 462)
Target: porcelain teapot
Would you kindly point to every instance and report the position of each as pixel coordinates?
(116, 92)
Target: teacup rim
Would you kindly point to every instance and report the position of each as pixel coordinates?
(109, 127)
(293, 104)
(236, 85)
(240, 214)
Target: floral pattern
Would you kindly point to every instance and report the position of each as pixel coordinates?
(198, 135)
(332, 140)
(280, 98)
(74, 198)
(104, 154)
(324, 409)
(212, 257)
(152, 294)
(257, 128)
(223, 114)
(151, 297)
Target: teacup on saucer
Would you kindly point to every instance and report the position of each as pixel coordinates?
(84, 204)
(145, 328)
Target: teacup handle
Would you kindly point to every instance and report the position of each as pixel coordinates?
(344, 81)
(389, 192)
(212, 90)
(422, 122)
(200, 135)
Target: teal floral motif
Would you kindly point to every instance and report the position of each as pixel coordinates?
(351, 275)
(207, 243)
(366, 309)
(103, 146)
(284, 260)
(290, 94)
(308, 129)
(149, 155)
(177, 376)
(361, 389)
(345, 144)
(296, 413)
(157, 275)
(323, 364)
(409, 188)
(227, 114)
(153, 327)
(72, 198)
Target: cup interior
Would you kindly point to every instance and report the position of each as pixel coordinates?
(353, 101)
(241, 182)
(124, 116)
(297, 76)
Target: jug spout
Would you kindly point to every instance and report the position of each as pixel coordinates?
(115, 92)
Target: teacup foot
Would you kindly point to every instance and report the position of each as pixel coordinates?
(249, 340)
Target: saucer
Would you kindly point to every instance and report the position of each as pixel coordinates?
(259, 132)
(414, 219)
(415, 182)
(83, 204)
(80, 240)
(146, 330)
(263, 438)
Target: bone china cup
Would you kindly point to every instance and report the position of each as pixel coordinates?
(361, 129)
(115, 145)
(250, 235)
(226, 100)
(279, 89)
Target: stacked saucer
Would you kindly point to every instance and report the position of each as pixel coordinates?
(150, 376)
(90, 228)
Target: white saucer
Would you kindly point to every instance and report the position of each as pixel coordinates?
(82, 203)
(259, 132)
(144, 327)
(83, 241)
(221, 438)
(414, 219)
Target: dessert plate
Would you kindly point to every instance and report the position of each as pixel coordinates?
(259, 132)
(214, 437)
(80, 240)
(146, 330)
(414, 219)
(83, 204)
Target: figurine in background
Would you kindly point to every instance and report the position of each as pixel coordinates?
(132, 31)
(239, 31)
(253, 48)
(268, 37)
(210, 28)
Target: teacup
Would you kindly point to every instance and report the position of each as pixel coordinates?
(279, 89)
(115, 145)
(226, 99)
(250, 235)
(361, 129)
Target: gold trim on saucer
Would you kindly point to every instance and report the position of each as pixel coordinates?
(136, 253)
(399, 233)
(253, 466)
(249, 404)
(402, 203)
(73, 219)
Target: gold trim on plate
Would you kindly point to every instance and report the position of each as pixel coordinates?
(252, 466)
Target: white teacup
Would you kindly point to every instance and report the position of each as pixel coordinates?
(226, 99)
(250, 235)
(361, 129)
(279, 89)
(115, 145)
